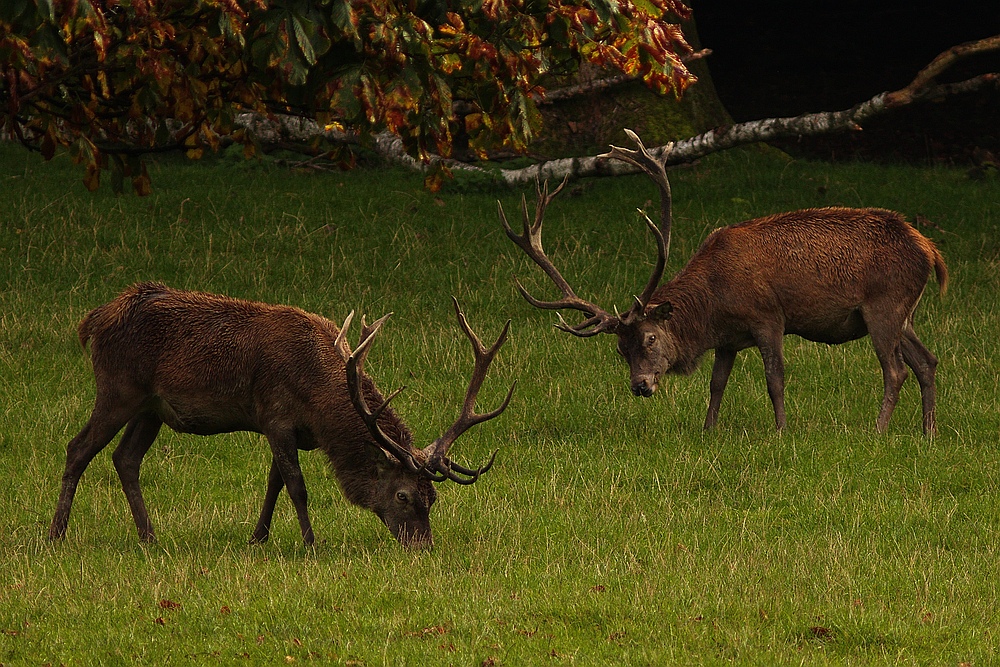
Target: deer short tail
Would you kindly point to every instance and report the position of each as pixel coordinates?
(940, 270)
(85, 330)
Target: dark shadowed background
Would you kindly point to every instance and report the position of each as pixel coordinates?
(784, 57)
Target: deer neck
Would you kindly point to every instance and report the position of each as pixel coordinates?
(690, 321)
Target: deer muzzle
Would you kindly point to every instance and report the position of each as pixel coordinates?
(415, 539)
(644, 387)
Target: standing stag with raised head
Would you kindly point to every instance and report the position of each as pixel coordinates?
(205, 364)
(829, 275)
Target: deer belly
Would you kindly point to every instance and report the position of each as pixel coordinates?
(831, 330)
(200, 417)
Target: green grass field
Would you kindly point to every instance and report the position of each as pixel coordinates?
(612, 530)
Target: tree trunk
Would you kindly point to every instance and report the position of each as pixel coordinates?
(586, 124)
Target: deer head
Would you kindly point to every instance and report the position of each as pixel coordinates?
(408, 498)
(643, 341)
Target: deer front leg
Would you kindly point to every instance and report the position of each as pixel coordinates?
(274, 486)
(285, 453)
(723, 366)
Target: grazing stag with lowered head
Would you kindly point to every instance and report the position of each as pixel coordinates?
(829, 275)
(205, 364)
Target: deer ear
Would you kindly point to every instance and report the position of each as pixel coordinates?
(662, 312)
(377, 457)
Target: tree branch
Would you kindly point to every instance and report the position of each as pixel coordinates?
(722, 138)
(923, 86)
(600, 85)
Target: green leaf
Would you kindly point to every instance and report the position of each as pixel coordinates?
(604, 9)
(303, 41)
(13, 10)
(343, 16)
(46, 11)
(648, 7)
(49, 45)
(345, 99)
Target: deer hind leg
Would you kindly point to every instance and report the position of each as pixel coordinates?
(723, 366)
(285, 455)
(105, 421)
(274, 486)
(924, 366)
(139, 435)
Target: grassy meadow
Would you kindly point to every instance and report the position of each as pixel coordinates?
(612, 529)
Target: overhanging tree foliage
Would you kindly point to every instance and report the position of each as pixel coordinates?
(112, 80)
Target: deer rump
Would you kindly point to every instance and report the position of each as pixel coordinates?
(205, 364)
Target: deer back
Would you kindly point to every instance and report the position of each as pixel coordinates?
(803, 269)
(213, 364)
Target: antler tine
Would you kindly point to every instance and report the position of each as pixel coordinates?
(455, 471)
(367, 331)
(530, 241)
(340, 344)
(355, 364)
(589, 327)
(639, 307)
(656, 170)
(543, 199)
(436, 453)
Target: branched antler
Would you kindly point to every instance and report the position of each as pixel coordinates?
(530, 241)
(406, 454)
(432, 461)
(436, 453)
(655, 169)
(340, 344)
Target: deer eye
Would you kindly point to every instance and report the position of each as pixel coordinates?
(401, 497)
(650, 340)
